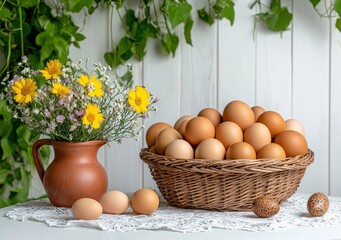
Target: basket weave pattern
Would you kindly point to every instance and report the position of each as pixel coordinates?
(225, 184)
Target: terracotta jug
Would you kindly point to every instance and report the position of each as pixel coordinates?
(74, 173)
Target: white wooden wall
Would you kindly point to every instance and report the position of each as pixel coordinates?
(296, 73)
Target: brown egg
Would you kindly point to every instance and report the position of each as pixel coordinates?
(265, 207)
(210, 149)
(318, 204)
(165, 137)
(144, 201)
(239, 113)
(153, 131)
(292, 142)
(257, 111)
(258, 135)
(241, 150)
(271, 150)
(228, 133)
(181, 119)
(180, 149)
(292, 124)
(273, 121)
(198, 129)
(182, 128)
(212, 114)
(114, 202)
(86, 209)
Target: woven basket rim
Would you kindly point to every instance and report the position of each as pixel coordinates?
(265, 165)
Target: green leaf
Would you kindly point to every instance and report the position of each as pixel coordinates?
(315, 2)
(138, 48)
(5, 14)
(187, 30)
(44, 21)
(337, 7)
(3, 110)
(3, 175)
(28, 3)
(170, 43)
(275, 5)
(224, 9)
(7, 150)
(178, 13)
(20, 194)
(4, 202)
(79, 36)
(130, 18)
(46, 51)
(24, 136)
(205, 16)
(110, 59)
(76, 44)
(76, 5)
(147, 11)
(278, 21)
(124, 48)
(6, 128)
(17, 174)
(143, 30)
(338, 24)
(62, 48)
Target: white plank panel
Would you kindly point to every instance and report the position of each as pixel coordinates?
(199, 66)
(236, 57)
(96, 33)
(161, 75)
(122, 160)
(273, 73)
(311, 89)
(335, 113)
(123, 164)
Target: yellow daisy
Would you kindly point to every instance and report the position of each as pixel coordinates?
(52, 70)
(60, 90)
(92, 116)
(93, 86)
(24, 90)
(139, 99)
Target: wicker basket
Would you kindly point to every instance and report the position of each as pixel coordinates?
(225, 184)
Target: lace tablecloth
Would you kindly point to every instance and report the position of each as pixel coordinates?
(293, 213)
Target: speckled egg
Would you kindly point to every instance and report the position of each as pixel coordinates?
(318, 204)
(265, 206)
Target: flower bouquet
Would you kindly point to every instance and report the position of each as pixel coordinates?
(69, 104)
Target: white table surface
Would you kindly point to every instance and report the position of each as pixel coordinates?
(31, 230)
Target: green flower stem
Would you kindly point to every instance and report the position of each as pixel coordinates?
(8, 55)
(21, 31)
(3, 4)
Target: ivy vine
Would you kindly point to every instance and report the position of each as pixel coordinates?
(277, 18)
(154, 19)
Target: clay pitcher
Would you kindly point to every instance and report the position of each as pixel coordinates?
(74, 173)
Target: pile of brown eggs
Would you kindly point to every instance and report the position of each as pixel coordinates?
(240, 132)
(144, 201)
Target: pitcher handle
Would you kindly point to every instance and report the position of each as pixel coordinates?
(36, 156)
